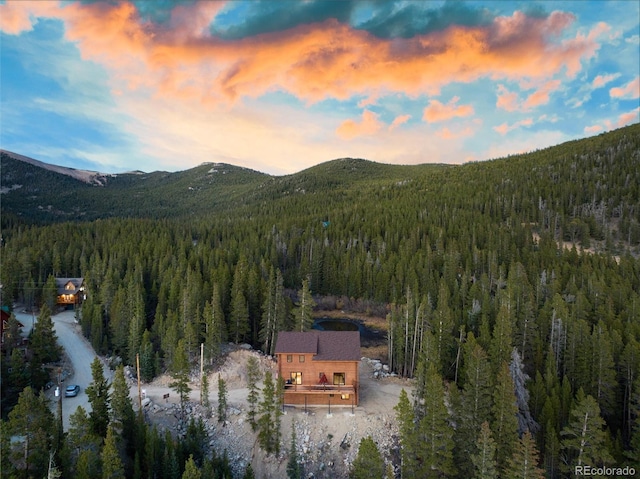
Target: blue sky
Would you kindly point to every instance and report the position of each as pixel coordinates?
(279, 86)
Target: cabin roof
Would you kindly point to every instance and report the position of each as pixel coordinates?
(324, 345)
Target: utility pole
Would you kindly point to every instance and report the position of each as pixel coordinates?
(201, 371)
(139, 391)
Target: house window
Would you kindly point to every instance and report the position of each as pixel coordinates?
(289, 358)
(345, 396)
(338, 379)
(296, 378)
(301, 358)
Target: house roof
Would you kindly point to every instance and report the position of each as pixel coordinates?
(325, 345)
(61, 285)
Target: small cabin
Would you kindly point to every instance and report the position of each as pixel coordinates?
(319, 367)
(70, 291)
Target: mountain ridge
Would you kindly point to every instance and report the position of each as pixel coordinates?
(34, 191)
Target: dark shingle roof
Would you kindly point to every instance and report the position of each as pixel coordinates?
(326, 345)
(61, 284)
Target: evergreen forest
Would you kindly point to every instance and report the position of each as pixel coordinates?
(511, 289)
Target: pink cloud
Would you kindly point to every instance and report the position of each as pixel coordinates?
(447, 134)
(18, 17)
(368, 125)
(593, 129)
(436, 111)
(505, 128)
(507, 100)
(540, 96)
(630, 91)
(602, 80)
(627, 118)
(399, 120)
(187, 63)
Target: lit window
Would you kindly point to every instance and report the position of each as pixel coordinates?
(296, 378)
(338, 379)
(345, 396)
(301, 358)
(289, 358)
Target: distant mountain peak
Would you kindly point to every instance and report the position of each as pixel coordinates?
(86, 176)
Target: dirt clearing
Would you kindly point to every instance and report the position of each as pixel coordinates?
(327, 443)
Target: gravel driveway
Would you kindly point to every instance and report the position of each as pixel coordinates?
(79, 353)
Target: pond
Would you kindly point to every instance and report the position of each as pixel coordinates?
(344, 324)
(330, 324)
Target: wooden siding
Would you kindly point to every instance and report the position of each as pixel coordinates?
(311, 388)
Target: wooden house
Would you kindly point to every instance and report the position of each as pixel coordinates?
(319, 367)
(70, 290)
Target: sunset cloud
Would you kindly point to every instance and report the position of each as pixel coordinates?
(593, 129)
(507, 100)
(399, 120)
(505, 128)
(436, 111)
(396, 80)
(541, 95)
(186, 61)
(630, 91)
(602, 80)
(447, 134)
(367, 125)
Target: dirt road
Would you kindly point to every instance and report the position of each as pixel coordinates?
(78, 353)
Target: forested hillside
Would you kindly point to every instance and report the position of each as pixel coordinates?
(512, 286)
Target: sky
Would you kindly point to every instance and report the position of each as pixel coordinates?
(281, 85)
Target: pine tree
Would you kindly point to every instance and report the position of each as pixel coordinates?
(294, 467)
(215, 328)
(504, 411)
(523, 464)
(44, 347)
(267, 435)
(603, 373)
(49, 293)
(277, 413)
(274, 312)
(180, 370)
(442, 325)
(83, 446)
(475, 403)
(435, 432)
(633, 454)
(8, 469)
(206, 403)
(253, 376)
(485, 459)
(123, 418)
(32, 422)
(369, 463)
(99, 398)
(409, 442)
(239, 318)
(137, 320)
(584, 438)
(191, 471)
(303, 314)
(502, 337)
(112, 467)
(222, 399)
(248, 472)
(147, 358)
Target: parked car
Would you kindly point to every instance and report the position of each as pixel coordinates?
(72, 390)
